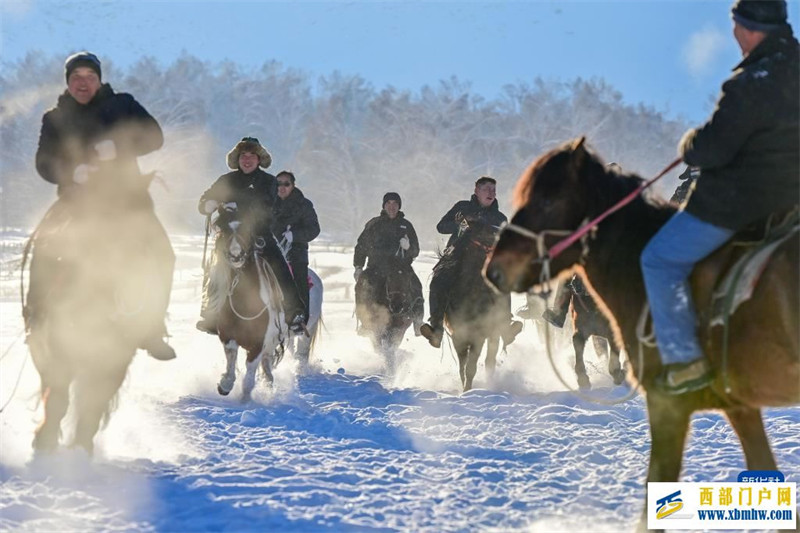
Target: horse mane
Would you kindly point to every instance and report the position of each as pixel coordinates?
(611, 184)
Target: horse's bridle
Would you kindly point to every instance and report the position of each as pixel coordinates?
(543, 254)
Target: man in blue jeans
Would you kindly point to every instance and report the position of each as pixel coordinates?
(749, 158)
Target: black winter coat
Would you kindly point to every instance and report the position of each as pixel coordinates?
(255, 195)
(71, 130)
(469, 209)
(380, 241)
(297, 212)
(749, 150)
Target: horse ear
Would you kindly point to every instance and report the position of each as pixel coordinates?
(579, 153)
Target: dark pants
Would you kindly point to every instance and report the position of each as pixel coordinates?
(298, 262)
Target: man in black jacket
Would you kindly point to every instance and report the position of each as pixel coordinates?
(295, 224)
(385, 237)
(748, 154)
(252, 192)
(88, 146)
(481, 207)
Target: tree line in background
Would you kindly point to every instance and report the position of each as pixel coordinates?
(346, 141)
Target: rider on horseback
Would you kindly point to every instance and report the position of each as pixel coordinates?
(252, 193)
(88, 146)
(389, 235)
(295, 224)
(481, 207)
(748, 154)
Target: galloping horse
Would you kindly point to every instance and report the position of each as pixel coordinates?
(762, 366)
(94, 299)
(249, 303)
(475, 315)
(390, 307)
(589, 322)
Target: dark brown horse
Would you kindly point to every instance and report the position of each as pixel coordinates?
(249, 303)
(475, 315)
(389, 302)
(569, 185)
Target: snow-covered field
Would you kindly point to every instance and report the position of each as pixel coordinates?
(345, 447)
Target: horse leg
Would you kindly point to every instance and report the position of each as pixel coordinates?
(579, 343)
(749, 426)
(472, 355)
(266, 366)
(227, 380)
(254, 360)
(492, 347)
(669, 425)
(462, 351)
(605, 345)
(55, 396)
(94, 392)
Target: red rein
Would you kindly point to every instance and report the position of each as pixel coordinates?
(565, 243)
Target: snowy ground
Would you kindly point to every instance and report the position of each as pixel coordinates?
(345, 447)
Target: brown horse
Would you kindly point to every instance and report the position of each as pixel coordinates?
(249, 303)
(89, 301)
(569, 185)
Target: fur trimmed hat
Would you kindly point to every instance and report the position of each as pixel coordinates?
(249, 144)
(82, 59)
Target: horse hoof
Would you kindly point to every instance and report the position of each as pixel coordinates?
(584, 384)
(619, 377)
(222, 391)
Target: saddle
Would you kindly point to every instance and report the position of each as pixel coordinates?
(729, 276)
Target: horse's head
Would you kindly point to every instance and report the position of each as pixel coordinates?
(552, 198)
(238, 240)
(399, 290)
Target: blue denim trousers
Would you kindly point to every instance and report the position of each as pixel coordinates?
(667, 261)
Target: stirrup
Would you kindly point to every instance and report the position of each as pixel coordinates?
(680, 378)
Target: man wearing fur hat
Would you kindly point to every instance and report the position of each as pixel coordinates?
(481, 207)
(384, 238)
(748, 153)
(252, 192)
(88, 146)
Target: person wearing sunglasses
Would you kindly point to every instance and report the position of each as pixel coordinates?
(294, 225)
(252, 192)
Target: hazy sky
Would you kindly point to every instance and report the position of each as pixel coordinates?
(671, 55)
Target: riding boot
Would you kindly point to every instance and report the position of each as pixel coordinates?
(557, 314)
(437, 297)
